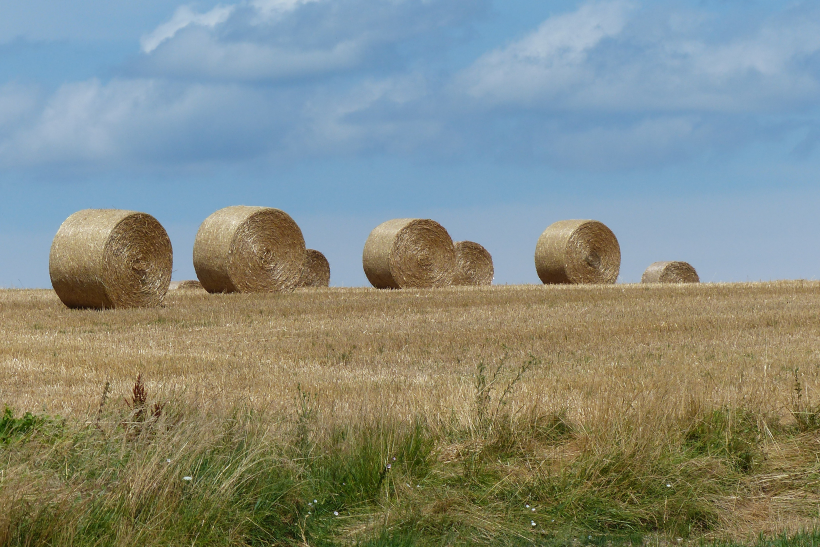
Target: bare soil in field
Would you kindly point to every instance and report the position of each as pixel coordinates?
(623, 363)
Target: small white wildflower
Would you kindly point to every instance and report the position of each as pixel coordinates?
(394, 458)
(389, 466)
(314, 501)
(186, 478)
(310, 504)
(532, 522)
(418, 486)
(527, 506)
(589, 537)
(668, 485)
(168, 460)
(533, 509)
(407, 484)
(335, 513)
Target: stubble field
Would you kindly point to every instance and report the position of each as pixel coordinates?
(703, 396)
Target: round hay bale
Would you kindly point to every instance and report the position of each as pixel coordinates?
(110, 258)
(474, 264)
(409, 252)
(315, 270)
(187, 285)
(578, 252)
(248, 249)
(670, 272)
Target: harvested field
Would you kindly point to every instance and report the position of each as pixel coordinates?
(635, 367)
(722, 344)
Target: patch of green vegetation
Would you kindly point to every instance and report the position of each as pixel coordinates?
(726, 434)
(151, 474)
(369, 485)
(395, 539)
(802, 539)
(12, 428)
(627, 493)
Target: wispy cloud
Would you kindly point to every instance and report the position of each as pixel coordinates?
(198, 56)
(613, 56)
(552, 59)
(271, 40)
(78, 123)
(184, 17)
(609, 85)
(275, 8)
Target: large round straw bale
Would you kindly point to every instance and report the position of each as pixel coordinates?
(109, 258)
(578, 251)
(409, 252)
(670, 272)
(474, 264)
(315, 270)
(249, 249)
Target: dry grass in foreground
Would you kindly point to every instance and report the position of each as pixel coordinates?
(637, 409)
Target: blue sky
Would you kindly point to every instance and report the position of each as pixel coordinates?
(691, 128)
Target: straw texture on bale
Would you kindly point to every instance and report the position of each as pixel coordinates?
(315, 270)
(409, 253)
(670, 272)
(578, 252)
(110, 258)
(249, 249)
(474, 264)
(187, 285)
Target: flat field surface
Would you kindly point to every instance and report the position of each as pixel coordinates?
(603, 351)
(713, 385)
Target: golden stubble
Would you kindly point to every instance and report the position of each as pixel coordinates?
(607, 352)
(624, 361)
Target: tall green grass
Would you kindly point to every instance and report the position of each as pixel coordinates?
(138, 474)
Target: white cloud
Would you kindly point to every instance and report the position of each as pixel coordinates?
(612, 57)
(201, 53)
(142, 122)
(273, 8)
(78, 123)
(607, 86)
(363, 119)
(565, 38)
(147, 123)
(264, 40)
(550, 59)
(184, 17)
(198, 55)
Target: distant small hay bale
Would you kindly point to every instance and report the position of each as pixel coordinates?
(474, 264)
(187, 285)
(249, 249)
(409, 252)
(578, 252)
(670, 272)
(315, 270)
(110, 258)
